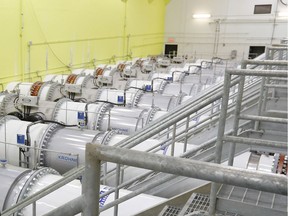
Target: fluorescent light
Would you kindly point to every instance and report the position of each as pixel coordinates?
(283, 14)
(201, 16)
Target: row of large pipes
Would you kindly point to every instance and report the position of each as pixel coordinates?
(107, 117)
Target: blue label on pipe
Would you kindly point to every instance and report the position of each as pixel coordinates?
(102, 200)
(81, 116)
(120, 99)
(148, 88)
(20, 139)
(169, 78)
(70, 159)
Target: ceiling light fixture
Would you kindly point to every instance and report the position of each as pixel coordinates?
(283, 14)
(201, 16)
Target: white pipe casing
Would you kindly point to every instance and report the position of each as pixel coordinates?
(178, 88)
(28, 182)
(67, 112)
(10, 127)
(123, 120)
(158, 84)
(164, 102)
(113, 95)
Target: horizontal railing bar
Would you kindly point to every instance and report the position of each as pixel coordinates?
(276, 86)
(263, 118)
(191, 168)
(266, 62)
(250, 141)
(253, 72)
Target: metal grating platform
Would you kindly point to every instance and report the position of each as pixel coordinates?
(196, 202)
(170, 211)
(247, 201)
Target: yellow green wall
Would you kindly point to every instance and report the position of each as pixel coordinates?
(53, 36)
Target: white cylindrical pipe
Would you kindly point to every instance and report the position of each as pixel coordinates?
(111, 95)
(34, 181)
(8, 136)
(123, 120)
(67, 113)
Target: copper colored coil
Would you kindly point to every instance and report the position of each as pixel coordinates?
(34, 90)
(71, 78)
(99, 72)
(280, 163)
(121, 67)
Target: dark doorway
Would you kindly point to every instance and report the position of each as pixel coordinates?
(255, 51)
(171, 50)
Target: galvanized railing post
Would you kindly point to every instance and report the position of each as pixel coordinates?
(91, 185)
(220, 135)
(236, 116)
(117, 182)
(186, 134)
(173, 140)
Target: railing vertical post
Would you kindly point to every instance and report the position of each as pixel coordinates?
(173, 140)
(220, 135)
(91, 185)
(262, 92)
(236, 116)
(118, 169)
(186, 134)
(34, 208)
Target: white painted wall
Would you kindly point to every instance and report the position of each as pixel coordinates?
(239, 28)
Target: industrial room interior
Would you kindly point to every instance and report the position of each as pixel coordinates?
(147, 107)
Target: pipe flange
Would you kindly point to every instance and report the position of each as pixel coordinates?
(58, 106)
(100, 115)
(31, 181)
(43, 144)
(136, 98)
(181, 77)
(162, 86)
(99, 92)
(150, 75)
(51, 91)
(6, 101)
(151, 114)
(86, 81)
(18, 188)
(127, 85)
(104, 138)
